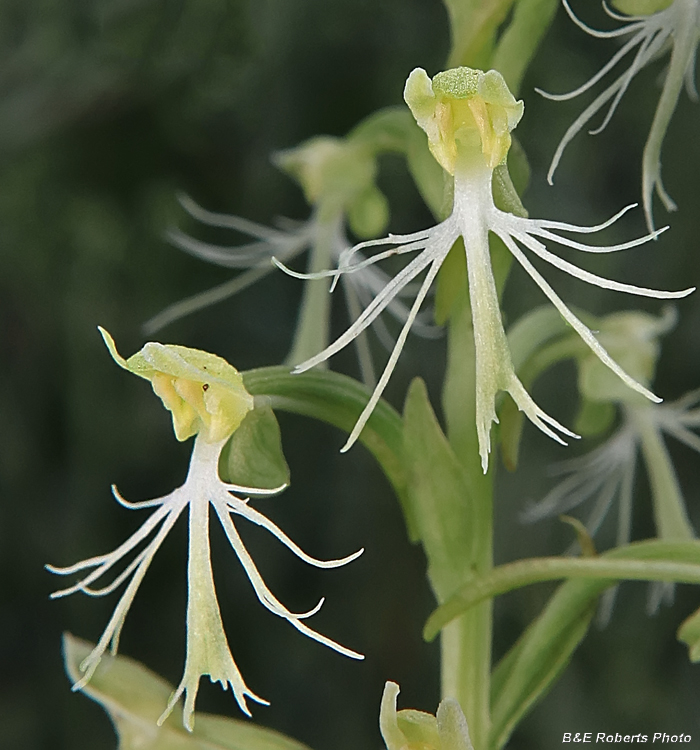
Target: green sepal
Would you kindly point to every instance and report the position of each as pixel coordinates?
(439, 496)
(368, 214)
(203, 392)
(253, 457)
(518, 166)
(689, 633)
(134, 697)
(467, 114)
(594, 417)
(505, 196)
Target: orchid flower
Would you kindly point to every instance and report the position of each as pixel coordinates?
(468, 116)
(337, 177)
(607, 474)
(410, 729)
(208, 400)
(660, 25)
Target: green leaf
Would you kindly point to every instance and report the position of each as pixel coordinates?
(134, 697)
(532, 665)
(454, 522)
(537, 659)
(689, 633)
(253, 456)
(339, 400)
(439, 494)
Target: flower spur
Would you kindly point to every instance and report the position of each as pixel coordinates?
(674, 23)
(468, 116)
(337, 176)
(207, 399)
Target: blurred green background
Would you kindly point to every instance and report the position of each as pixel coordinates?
(107, 109)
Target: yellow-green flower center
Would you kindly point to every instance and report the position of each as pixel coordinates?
(467, 114)
(204, 393)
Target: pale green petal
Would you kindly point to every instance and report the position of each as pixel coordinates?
(203, 392)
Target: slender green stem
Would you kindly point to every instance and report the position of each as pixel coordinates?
(646, 564)
(466, 643)
(312, 329)
(670, 515)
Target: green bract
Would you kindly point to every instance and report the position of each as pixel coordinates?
(133, 696)
(464, 112)
(204, 392)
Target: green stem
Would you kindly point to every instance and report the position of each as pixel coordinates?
(642, 561)
(312, 329)
(466, 643)
(670, 515)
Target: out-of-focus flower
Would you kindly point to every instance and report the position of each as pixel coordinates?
(661, 24)
(607, 474)
(337, 176)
